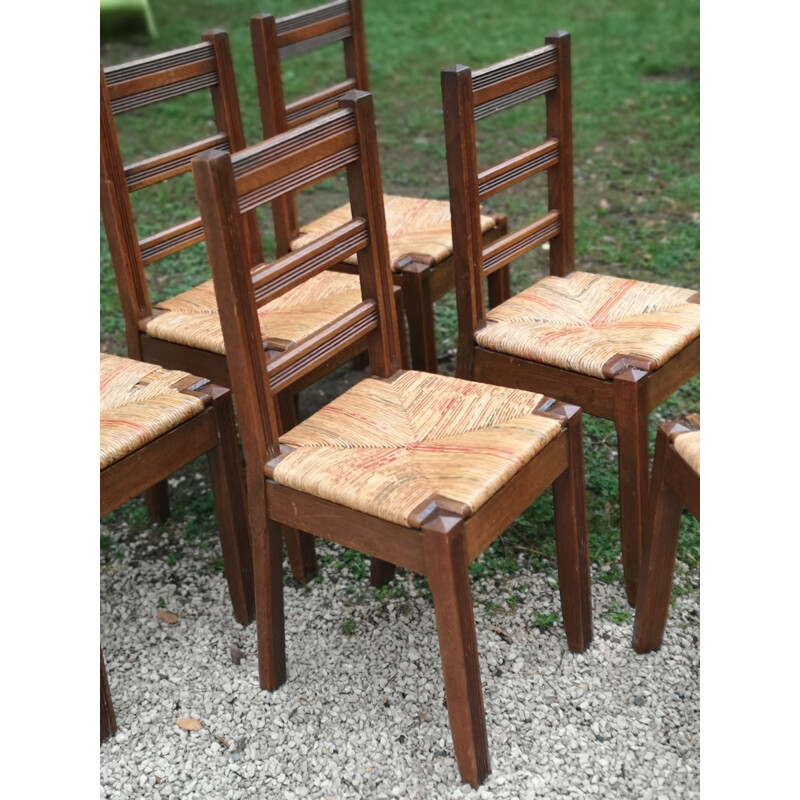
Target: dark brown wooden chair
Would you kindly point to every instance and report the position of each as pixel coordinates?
(153, 422)
(183, 332)
(675, 484)
(414, 469)
(616, 347)
(420, 239)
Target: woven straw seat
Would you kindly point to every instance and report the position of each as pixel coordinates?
(416, 227)
(191, 318)
(387, 447)
(582, 321)
(687, 446)
(138, 403)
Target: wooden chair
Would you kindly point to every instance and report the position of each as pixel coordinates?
(183, 332)
(675, 484)
(153, 422)
(420, 239)
(374, 469)
(616, 347)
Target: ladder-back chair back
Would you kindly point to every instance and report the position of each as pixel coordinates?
(616, 347)
(373, 470)
(183, 332)
(420, 239)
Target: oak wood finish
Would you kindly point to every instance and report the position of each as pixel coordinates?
(446, 539)
(674, 485)
(208, 67)
(275, 40)
(631, 389)
(210, 432)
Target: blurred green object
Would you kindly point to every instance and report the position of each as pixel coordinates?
(125, 17)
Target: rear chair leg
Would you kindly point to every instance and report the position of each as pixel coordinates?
(448, 576)
(299, 545)
(156, 501)
(229, 505)
(108, 722)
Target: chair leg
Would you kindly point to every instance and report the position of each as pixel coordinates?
(448, 577)
(499, 284)
(380, 572)
(572, 541)
(421, 321)
(108, 722)
(156, 501)
(658, 557)
(231, 511)
(268, 570)
(299, 545)
(632, 438)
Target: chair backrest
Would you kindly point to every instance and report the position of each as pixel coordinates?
(275, 40)
(231, 185)
(125, 87)
(472, 95)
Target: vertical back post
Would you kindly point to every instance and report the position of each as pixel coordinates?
(120, 227)
(272, 104)
(366, 200)
(462, 170)
(559, 178)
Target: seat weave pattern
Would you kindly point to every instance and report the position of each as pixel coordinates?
(386, 448)
(687, 446)
(138, 403)
(416, 227)
(582, 321)
(191, 318)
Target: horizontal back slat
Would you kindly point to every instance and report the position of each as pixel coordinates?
(293, 363)
(514, 83)
(515, 98)
(501, 176)
(482, 78)
(153, 170)
(171, 241)
(295, 159)
(270, 281)
(307, 45)
(151, 80)
(504, 250)
(302, 19)
(309, 107)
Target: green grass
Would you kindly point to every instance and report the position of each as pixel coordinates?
(636, 164)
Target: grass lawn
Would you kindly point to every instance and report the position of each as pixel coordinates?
(636, 107)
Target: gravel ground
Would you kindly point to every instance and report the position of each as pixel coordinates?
(362, 713)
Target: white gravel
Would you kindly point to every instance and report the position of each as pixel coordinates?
(362, 713)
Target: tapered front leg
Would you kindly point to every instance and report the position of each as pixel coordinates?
(448, 577)
(631, 423)
(658, 557)
(108, 722)
(572, 539)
